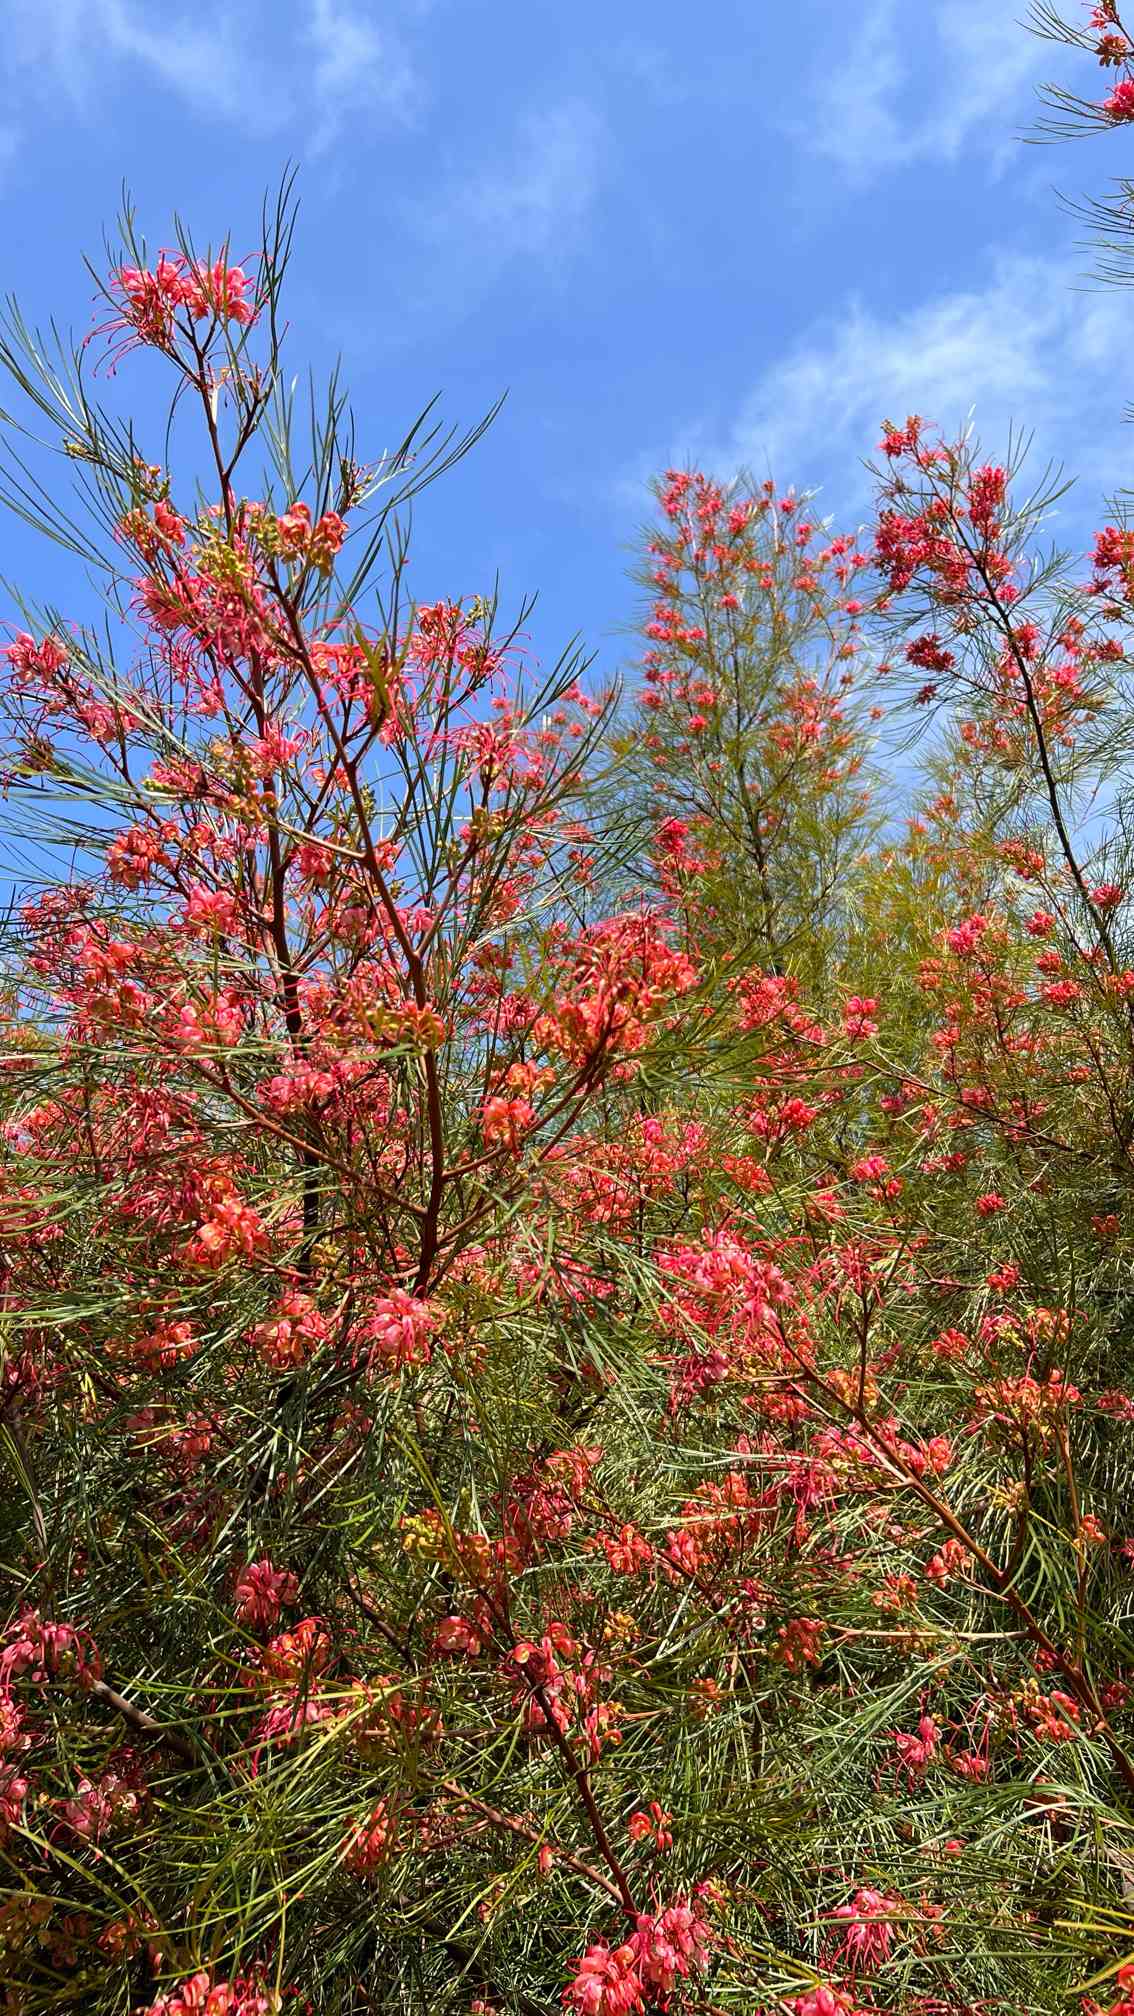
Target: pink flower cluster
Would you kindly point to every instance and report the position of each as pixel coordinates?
(868, 1921)
(262, 1592)
(317, 544)
(371, 1842)
(398, 1330)
(149, 303)
(660, 1952)
(200, 1995)
(293, 1331)
(36, 1649)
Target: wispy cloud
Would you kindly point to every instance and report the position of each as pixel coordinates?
(319, 65)
(1023, 351)
(651, 69)
(68, 45)
(359, 68)
(9, 144)
(923, 84)
(532, 204)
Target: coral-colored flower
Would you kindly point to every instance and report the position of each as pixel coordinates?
(262, 1591)
(399, 1329)
(1120, 105)
(607, 1983)
(292, 1333)
(370, 1843)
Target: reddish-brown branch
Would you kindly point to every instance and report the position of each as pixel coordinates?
(145, 1725)
(510, 1825)
(579, 1773)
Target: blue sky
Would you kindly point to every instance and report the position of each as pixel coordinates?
(725, 233)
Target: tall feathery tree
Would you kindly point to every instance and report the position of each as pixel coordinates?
(749, 743)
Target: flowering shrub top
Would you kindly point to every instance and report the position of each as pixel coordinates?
(565, 1397)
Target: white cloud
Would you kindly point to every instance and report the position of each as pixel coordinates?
(530, 205)
(332, 60)
(650, 70)
(1023, 351)
(199, 57)
(359, 68)
(923, 84)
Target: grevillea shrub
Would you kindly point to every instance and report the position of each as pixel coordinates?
(746, 744)
(566, 1405)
